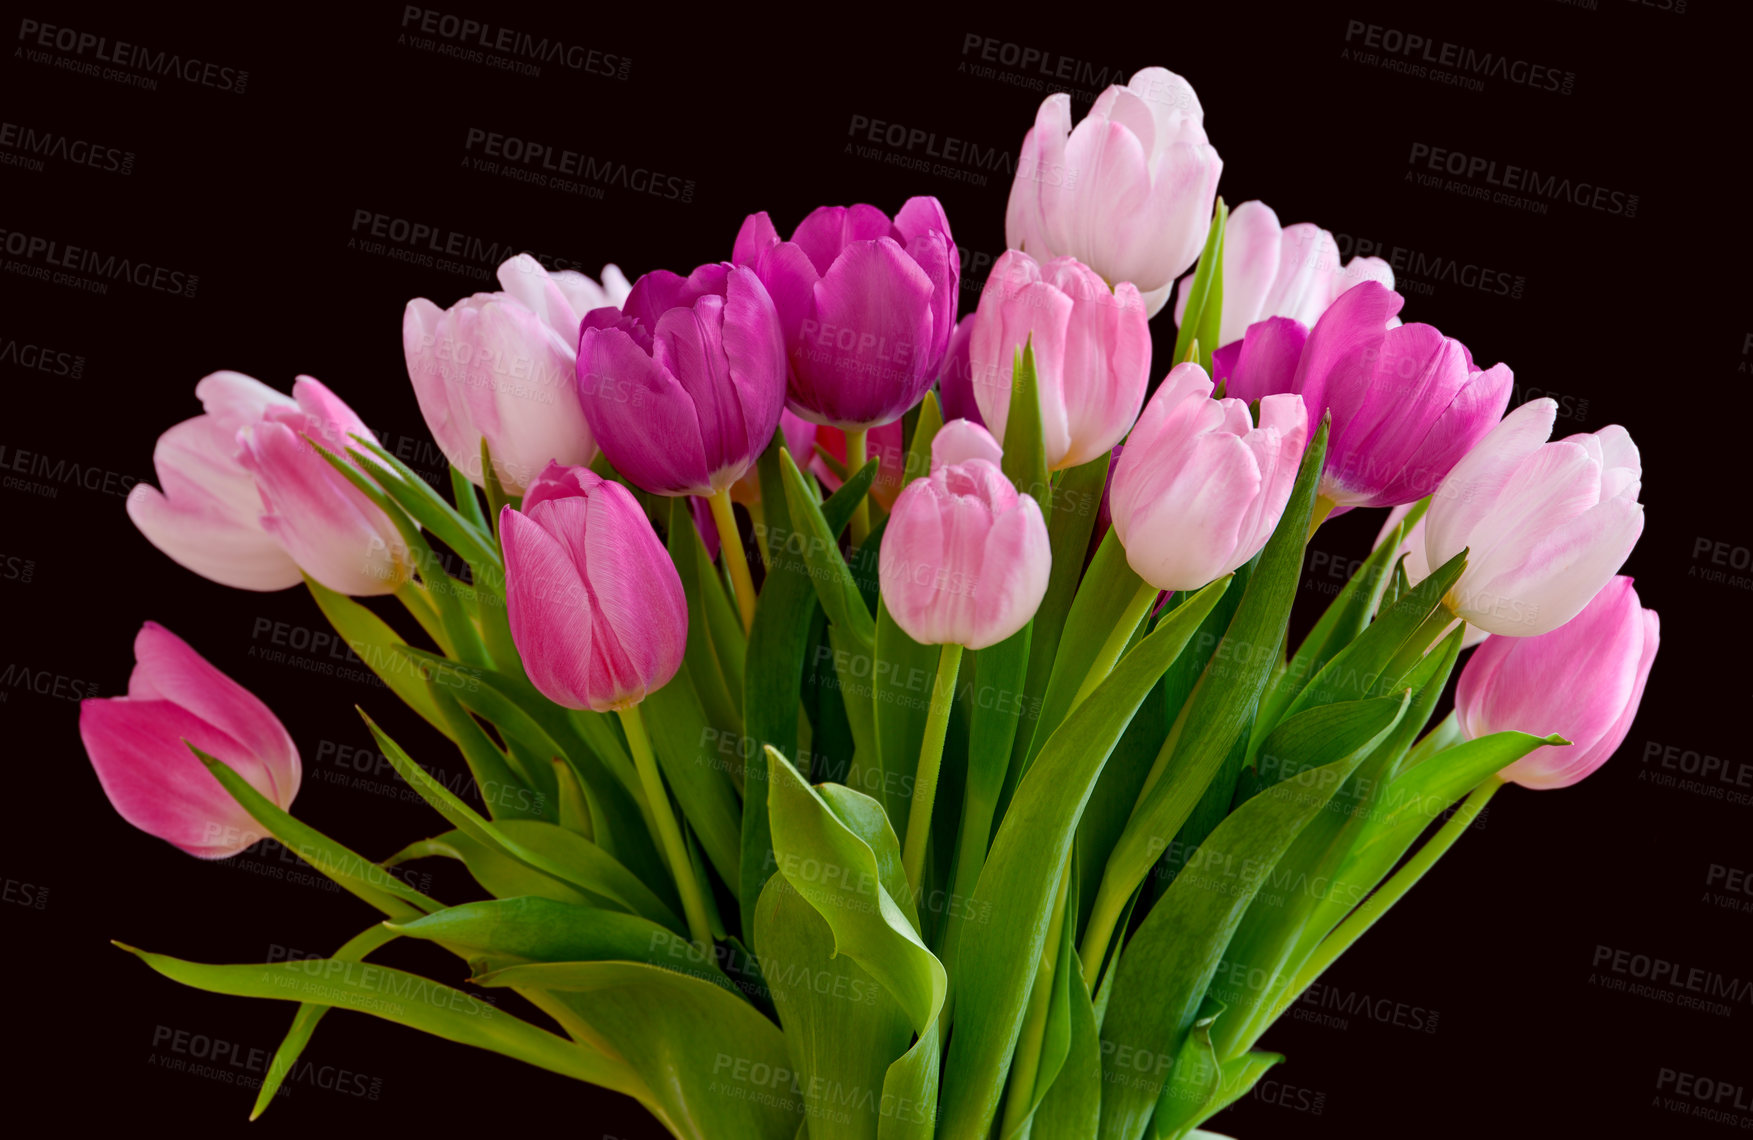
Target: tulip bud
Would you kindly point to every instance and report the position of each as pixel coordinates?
(1406, 401)
(208, 517)
(139, 746)
(1091, 349)
(683, 385)
(1583, 681)
(964, 560)
(329, 527)
(1280, 271)
(868, 306)
(500, 367)
(1129, 193)
(1200, 488)
(1546, 524)
(595, 605)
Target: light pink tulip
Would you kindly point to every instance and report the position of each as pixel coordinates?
(208, 517)
(1091, 347)
(1546, 524)
(596, 607)
(1199, 488)
(964, 560)
(1271, 270)
(1583, 681)
(961, 440)
(1129, 193)
(137, 745)
(328, 526)
(493, 367)
(561, 297)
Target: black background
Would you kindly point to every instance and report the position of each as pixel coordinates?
(1641, 320)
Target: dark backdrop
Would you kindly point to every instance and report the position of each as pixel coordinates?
(1503, 997)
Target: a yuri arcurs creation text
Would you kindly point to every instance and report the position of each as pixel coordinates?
(886, 724)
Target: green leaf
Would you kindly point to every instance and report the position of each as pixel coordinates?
(837, 873)
(685, 744)
(1073, 1104)
(497, 496)
(1024, 443)
(1169, 963)
(699, 584)
(843, 1028)
(537, 929)
(901, 680)
(820, 550)
(930, 422)
(1021, 877)
(376, 644)
(416, 496)
(468, 501)
(352, 872)
(406, 999)
(1219, 711)
(773, 686)
(1194, 1077)
(716, 1068)
(1206, 277)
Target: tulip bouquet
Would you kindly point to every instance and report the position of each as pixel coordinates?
(888, 726)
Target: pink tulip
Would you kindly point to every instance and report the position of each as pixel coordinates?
(596, 607)
(500, 366)
(1091, 348)
(1280, 271)
(683, 385)
(961, 440)
(964, 560)
(1583, 681)
(867, 305)
(1546, 524)
(137, 745)
(208, 517)
(1129, 193)
(328, 526)
(1406, 401)
(1200, 488)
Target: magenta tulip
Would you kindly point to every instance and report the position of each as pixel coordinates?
(683, 385)
(1583, 681)
(955, 376)
(867, 304)
(1271, 270)
(1200, 488)
(328, 526)
(1546, 524)
(596, 608)
(800, 440)
(1406, 401)
(139, 746)
(208, 517)
(501, 367)
(1129, 193)
(964, 560)
(1091, 347)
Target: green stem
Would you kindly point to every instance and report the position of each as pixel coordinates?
(669, 835)
(855, 461)
(943, 691)
(730, 541)
(1385, 896)
(1118, 639)
(1026, 1067)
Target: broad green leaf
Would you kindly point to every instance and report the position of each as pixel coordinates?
(842, 1027)
(1021, 877)
(1194, 1077)
(1104, 817)
(773, 685)
(505, 793)
(1207, 276)
(699, 582)
(406, 999)
(820, 549)
(416, 496)
(468, 501)
(366, 880)
(925, 429)
(532, 928)
(1169, 963)
(901, 681)
(1220, 709)
(1073, 1104)
(376, 644)
(716, 1069)
(837, 873)
(686, 746)
(1024, 443)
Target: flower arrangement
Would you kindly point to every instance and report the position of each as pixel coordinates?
(888, 725)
